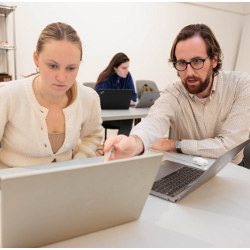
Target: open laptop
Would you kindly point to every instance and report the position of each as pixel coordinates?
(115, 98)
(175, 180)
(50, 203)
(148, 98)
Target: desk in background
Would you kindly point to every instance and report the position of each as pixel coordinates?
(214, 215)
(131, 113)
(123, 114)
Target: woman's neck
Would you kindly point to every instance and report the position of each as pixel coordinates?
(46, 99)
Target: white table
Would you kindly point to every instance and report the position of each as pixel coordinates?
(123, 114)
(217, 214)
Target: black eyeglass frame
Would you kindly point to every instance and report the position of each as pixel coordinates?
(203, 60)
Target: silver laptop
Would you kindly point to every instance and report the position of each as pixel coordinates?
(175, 180)
(148, 98)
(46, 204)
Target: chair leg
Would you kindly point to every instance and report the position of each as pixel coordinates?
(137, 121)
(105, 134)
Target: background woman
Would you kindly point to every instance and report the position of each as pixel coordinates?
(47, 116)
(117, 76)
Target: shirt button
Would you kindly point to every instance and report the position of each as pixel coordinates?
(41, 128)
(45, 145)
(41, 111)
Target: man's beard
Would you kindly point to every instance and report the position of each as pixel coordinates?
(196, 89)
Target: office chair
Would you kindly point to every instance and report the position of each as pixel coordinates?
(89, 84)
(106, 127)
(140, 83)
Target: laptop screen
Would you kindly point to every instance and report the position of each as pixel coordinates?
(46, 205)
(115, 98)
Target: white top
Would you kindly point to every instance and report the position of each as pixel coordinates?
(23, 130)
(207, 128)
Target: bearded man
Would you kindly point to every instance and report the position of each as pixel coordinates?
(208, 110)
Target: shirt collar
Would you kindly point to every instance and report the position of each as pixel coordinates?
(215, 85)
(213, 90)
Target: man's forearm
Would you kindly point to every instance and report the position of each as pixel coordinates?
(139, 144)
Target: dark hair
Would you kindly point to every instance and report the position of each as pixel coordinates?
(212, 45)
(116, 61)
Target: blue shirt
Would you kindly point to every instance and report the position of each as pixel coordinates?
(117, 82)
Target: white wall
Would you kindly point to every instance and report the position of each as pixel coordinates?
(144, 31)
(243, 58)
(236, 7)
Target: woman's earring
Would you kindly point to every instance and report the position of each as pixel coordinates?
(37, 70)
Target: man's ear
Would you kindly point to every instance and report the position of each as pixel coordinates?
(35, 58)
(215, 61)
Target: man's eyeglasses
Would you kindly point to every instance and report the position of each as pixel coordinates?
(196, 63)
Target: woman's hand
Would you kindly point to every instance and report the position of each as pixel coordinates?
(132, 103)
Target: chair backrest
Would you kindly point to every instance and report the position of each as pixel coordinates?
(140, 83)
(89, 84)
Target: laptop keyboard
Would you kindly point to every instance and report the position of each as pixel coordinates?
(177, 181)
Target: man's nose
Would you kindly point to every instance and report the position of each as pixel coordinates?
(189, 70)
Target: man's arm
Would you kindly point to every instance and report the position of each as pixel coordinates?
(235, 129)
(124, 146)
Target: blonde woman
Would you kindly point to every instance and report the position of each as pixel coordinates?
(47, 116)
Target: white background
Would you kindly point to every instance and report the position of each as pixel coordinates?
(144, 31)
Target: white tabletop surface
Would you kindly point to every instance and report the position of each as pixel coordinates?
(122, 114)
(217, 214)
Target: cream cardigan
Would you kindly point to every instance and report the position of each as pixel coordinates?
(23, 131)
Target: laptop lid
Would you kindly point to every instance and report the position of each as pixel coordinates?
(53, 204)
(115, 98)
(148, 98)
(168, 167)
